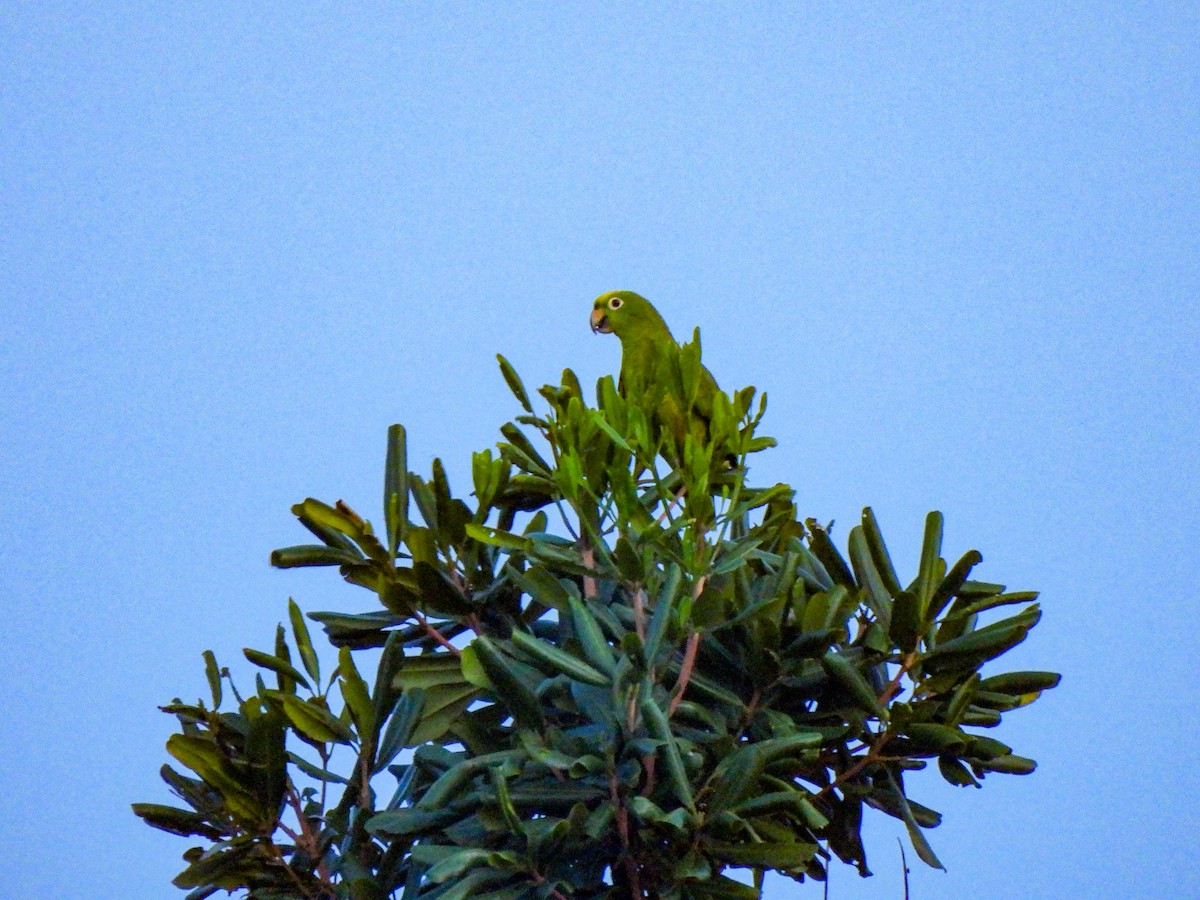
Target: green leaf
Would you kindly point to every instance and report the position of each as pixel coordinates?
(385, 693)
(497, 538)
(961, 701)
(540, 584)
(591, 637)
(443, 708)
(439, 594)
(176, 821)
(356, 695)
(613, 435)
(315, 771)
(458, 777)
(783, 855)
(879, 552)
(977, 647)
(304, 645)
(313, 555)
(400, 728)
(931, 550)
(458, 863)
(525, 456)
(844, 671)
(315, 722)
(266, 753)
(734, 555)
(509, 687)
(395, 488)
(1008, 765)
(875, 593)
(951, 584)
(504, 800)
(1018, 683)
(427, 670)
(660, 727)
(915, 835)
(662, 612)
(204, 758)
(906, 621)
(275, 664)
(214, 678)
(558, 661)
(735, 777)
(514, 383)
(828, 555)
(930, 739)
(411, 822)
(955, 772)
(341, 519)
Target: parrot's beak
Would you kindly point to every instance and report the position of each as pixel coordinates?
(600, 322)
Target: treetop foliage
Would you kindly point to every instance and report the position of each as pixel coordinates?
(619, 669)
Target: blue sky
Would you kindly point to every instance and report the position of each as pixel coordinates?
(957, 246)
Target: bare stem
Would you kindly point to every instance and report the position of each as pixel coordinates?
(639, 613)
(685, 672)
(435, 634)
(589, 583)
(308, 839)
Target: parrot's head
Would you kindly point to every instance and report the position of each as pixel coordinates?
(624, 314)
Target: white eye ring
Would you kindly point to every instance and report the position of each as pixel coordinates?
(614, 303)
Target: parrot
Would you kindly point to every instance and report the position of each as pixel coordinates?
(644, 336)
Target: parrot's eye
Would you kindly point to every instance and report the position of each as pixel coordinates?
(614, 303)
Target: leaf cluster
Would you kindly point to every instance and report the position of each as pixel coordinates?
(679, 678)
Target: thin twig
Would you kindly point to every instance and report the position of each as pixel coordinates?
(309, 840)
(435, 634)
(622, 818)
(639, 613)
(685, 672)
(667, 507)
(588, 555)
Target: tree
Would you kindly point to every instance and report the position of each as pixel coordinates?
(683, 678)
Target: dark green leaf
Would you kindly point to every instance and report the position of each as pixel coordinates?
(914, 830)
(313, 555)
(514, 383)
(510, 689)
(827, 553)
(304, 646)
(395, 487)
(497, 538)
(931, 551)
(400, 727)
(952, 583)
(176, 821)
(1021, 682)
(590, 636)
(660, 727)
(275, 664)
(214, 677)
(955, 772)
(906, 621)
(550, 658)
(847, 673)
(356, 695)
(785, 855)
(315, 721)
(1008, 764)
(879, 552)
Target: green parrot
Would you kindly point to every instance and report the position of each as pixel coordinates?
(645, 338)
